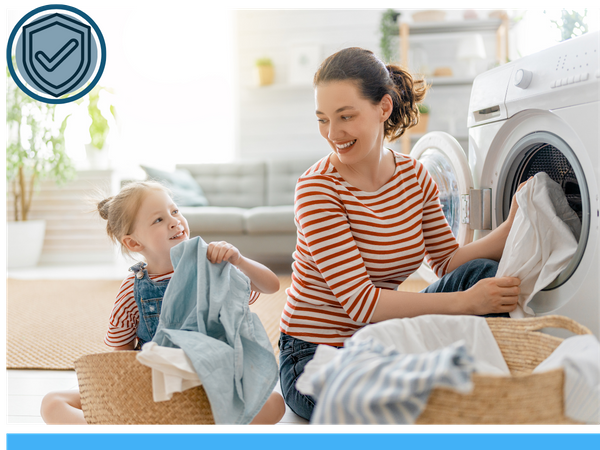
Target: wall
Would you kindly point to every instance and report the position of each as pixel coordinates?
(278, 121)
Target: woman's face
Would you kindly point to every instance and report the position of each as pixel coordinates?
(351, 124)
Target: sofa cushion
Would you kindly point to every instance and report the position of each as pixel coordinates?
(240, 184)
(183, 186)
(282, 176)
(270, 219)
(214, 219)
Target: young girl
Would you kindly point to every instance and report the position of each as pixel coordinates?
(143, 219)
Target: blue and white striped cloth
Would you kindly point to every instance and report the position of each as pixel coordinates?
(368, 383)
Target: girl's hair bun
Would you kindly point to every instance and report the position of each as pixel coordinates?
(103, 207)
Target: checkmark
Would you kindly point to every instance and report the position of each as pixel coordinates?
(50, 64)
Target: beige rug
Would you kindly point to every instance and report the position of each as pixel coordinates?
(51, 323)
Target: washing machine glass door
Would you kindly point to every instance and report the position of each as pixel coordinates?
(446, 162)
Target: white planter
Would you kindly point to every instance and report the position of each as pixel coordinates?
(25, 242)
(97, 159)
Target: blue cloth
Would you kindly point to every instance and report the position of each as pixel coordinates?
(205, 312)
(148, 295)
(367, 383)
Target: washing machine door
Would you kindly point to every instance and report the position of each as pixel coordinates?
(446, 162)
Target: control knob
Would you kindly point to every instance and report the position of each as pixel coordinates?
(523, 78)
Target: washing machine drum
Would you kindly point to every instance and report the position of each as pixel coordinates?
(546, 152)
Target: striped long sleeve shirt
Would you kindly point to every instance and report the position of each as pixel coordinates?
(352, 243)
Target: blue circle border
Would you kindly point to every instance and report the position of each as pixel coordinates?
(33, 94)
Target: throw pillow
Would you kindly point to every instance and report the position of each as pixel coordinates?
(185, 189)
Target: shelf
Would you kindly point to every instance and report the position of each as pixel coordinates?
(449, 81)
(279, 87)
(457, 26)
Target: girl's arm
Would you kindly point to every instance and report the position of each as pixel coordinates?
(128, 346)
(262, 278)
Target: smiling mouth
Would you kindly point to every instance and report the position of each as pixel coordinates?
(177, 236)
(345, 147)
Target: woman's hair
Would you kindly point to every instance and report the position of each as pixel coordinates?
(375, 79)
(121, 210)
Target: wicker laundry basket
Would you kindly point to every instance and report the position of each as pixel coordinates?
(117, 390)
(523, 397)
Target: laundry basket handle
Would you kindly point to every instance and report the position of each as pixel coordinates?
(555, 321)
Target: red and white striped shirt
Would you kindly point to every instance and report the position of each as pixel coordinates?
(351, 244)
(125, 316)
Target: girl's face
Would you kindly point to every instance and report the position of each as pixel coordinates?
(351, 124)
(159, 226)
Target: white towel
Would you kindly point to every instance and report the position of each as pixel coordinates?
(579, 356)
(542, 240)
(172, 371)
(435, 331)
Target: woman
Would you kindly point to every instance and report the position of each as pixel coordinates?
(366, 219)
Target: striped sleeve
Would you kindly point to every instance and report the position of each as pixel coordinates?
(440, 243)
(124, 317)
(253, 297)
(325, 234)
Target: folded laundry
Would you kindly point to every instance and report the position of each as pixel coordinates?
(368, 383)
(542, 240)
(205, 312)
(172, 370)
(579, 356)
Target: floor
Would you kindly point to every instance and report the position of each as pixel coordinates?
(26, 388)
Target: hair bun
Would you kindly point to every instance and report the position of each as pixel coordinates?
(103, 207)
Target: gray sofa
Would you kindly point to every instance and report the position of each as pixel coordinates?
(251, 205)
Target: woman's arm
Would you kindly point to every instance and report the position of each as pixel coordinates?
(490, 295)
(261, 277)
(489, 247)
(492, 245)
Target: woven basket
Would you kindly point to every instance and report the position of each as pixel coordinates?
(117, 390)
(523, 397)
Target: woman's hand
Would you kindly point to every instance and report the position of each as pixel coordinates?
(223, 251)
(514, 206)
(492, 295)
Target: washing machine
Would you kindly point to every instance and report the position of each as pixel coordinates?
(540, 113)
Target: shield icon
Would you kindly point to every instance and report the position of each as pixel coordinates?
(57, 53)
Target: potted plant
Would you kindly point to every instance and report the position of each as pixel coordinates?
(35, 150)
(571, 24)
(421, 126)
(389, 35)
(96, 150)
(264, 71)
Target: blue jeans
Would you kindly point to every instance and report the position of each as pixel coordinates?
(295, 353)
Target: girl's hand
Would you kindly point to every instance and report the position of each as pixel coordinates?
(223, 251)
(492, 295)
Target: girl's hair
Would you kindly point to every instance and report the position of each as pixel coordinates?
(375, 79)
(121, 210)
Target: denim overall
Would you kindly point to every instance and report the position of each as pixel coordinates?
(148, 296)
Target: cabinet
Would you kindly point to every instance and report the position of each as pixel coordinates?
(439, 32)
